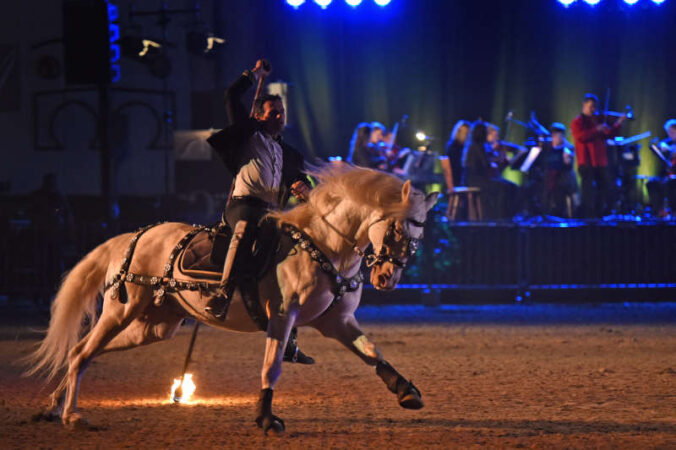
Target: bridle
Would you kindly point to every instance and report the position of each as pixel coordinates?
(392, 240)
(395, 246)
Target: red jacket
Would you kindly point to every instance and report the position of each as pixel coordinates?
(590, 143)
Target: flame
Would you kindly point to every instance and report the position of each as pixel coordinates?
(188, 387)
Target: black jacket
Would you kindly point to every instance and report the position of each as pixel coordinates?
(229, 142)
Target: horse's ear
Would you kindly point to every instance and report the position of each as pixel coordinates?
(406, 191)
(431, 200)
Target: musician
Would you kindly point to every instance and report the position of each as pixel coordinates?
(482, 170)
(365, 146)
(663, 183)
(508, 201)
(267, 170)
(591, 131)
(455, 147)
(560, 181)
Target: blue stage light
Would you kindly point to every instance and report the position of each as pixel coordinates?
(295, 3)
(323, 3)
(353, 3)
(566, 3)
(630, 2)
(382, 2)
(592, 2)
(658, 2)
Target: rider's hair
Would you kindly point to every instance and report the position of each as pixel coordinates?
(260, 101)
(671, 123)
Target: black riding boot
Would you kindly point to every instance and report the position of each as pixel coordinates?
(218, 306)
(293, 353)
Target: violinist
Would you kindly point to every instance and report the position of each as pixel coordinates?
(560, 181)
(665, 181)
(591, 130)
(482, 170)
(365, 147)
(455, 146)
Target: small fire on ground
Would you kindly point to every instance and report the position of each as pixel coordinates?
(187, 389)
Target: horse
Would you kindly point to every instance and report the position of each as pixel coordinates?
(316, 282)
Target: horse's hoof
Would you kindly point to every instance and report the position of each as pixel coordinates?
(271, 423)
(409, 396)
(76, 422)
(411, 401)
(277, 428)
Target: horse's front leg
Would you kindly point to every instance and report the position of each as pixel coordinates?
(345, 329)
(279, 328)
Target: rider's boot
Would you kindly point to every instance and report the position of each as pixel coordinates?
(218, 306)
(293, 353)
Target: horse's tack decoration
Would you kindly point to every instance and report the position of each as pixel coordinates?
(167, 283)
(343, 284)
(163, 284)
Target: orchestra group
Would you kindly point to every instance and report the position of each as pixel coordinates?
(550, 163)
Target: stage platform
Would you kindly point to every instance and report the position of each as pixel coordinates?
(618, 258)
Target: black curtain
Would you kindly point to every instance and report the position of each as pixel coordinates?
(440, 61)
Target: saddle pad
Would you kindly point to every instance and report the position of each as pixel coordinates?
(195, 260)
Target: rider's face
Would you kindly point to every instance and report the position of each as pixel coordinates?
(273, 117)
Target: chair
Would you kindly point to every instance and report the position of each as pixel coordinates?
(471, 195)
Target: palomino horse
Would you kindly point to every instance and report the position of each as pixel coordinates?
(316, 283)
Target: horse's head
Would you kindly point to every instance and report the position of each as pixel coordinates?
(395, 240)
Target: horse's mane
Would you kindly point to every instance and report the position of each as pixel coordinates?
(365, 187)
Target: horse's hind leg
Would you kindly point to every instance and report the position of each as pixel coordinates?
(115, 318)
(155, 324)
(56, 400)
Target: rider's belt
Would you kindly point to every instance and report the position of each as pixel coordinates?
(252, 201)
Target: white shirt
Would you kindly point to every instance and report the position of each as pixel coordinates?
(262, 175)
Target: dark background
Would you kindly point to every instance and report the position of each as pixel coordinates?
(440, 61)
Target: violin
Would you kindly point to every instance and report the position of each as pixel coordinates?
(391, 151)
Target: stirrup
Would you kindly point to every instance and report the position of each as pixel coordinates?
(218, 306)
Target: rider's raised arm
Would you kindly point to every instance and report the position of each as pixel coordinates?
(234, 106)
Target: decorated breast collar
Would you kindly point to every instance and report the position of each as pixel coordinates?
(342, 284)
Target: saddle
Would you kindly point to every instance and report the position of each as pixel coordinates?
(204, 254)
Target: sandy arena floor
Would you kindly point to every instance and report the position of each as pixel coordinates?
(563, 377)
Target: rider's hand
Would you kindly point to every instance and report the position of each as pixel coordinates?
(300, 190)
(262, 69)
(603, 128)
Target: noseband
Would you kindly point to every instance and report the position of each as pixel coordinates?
(408, 246)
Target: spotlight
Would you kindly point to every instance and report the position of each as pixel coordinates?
(630, 2)
(658, 2)
(566, 3)
(382, 2)
(592, 2)
(353, 3)
(421, 136)
(295, 3)
(323, 3)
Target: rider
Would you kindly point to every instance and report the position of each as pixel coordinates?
(267, 171)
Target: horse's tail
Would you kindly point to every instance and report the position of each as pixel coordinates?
(74, 302)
